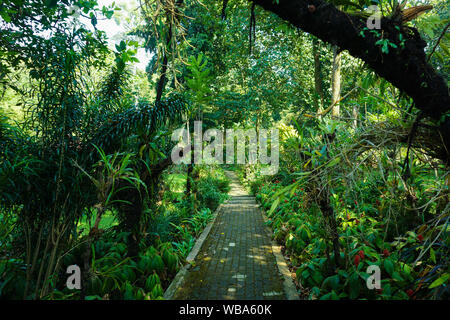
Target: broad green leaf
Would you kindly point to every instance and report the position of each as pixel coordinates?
(432, 255)
(274, 205)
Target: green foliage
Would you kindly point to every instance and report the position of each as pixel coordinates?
(212, 191)
(373, 225)
(199, 78)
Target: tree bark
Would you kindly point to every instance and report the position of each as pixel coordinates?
(317, 75)
(330, 220)
(355, 114)
(163, 76)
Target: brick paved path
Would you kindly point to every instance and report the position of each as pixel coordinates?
(236, 260)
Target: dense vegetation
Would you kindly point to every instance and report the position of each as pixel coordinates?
(86, 175)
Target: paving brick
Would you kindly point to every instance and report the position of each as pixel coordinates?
(236, 259)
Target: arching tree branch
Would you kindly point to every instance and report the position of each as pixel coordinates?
(405, 66)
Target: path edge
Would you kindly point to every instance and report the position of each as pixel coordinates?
(181, 275)
(288, 284)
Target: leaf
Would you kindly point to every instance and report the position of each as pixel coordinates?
(368, 79)
(397, 276)
(333, 162)
(304, 173)
(108, 13)
(94, 20)
(332, 281)
(444, 47)
(274, 205)
(306, 164)
(5, 16)
(439, 281)
(346, 3)
(432, 255)
(317, 277)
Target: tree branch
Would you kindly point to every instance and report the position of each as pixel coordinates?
(405, 67)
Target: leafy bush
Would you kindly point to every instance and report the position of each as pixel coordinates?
(209, 195)
(379, 218)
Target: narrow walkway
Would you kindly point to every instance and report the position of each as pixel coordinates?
(236, 260)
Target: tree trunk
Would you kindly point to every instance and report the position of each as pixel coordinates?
(162, 78)
(336, 81)
(317, 75)
(405, 67)
(330, 219)
(190, 168)
(163, 75)
(355, 114)
(132, 214)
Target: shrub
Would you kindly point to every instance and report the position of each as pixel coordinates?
(212, 188)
